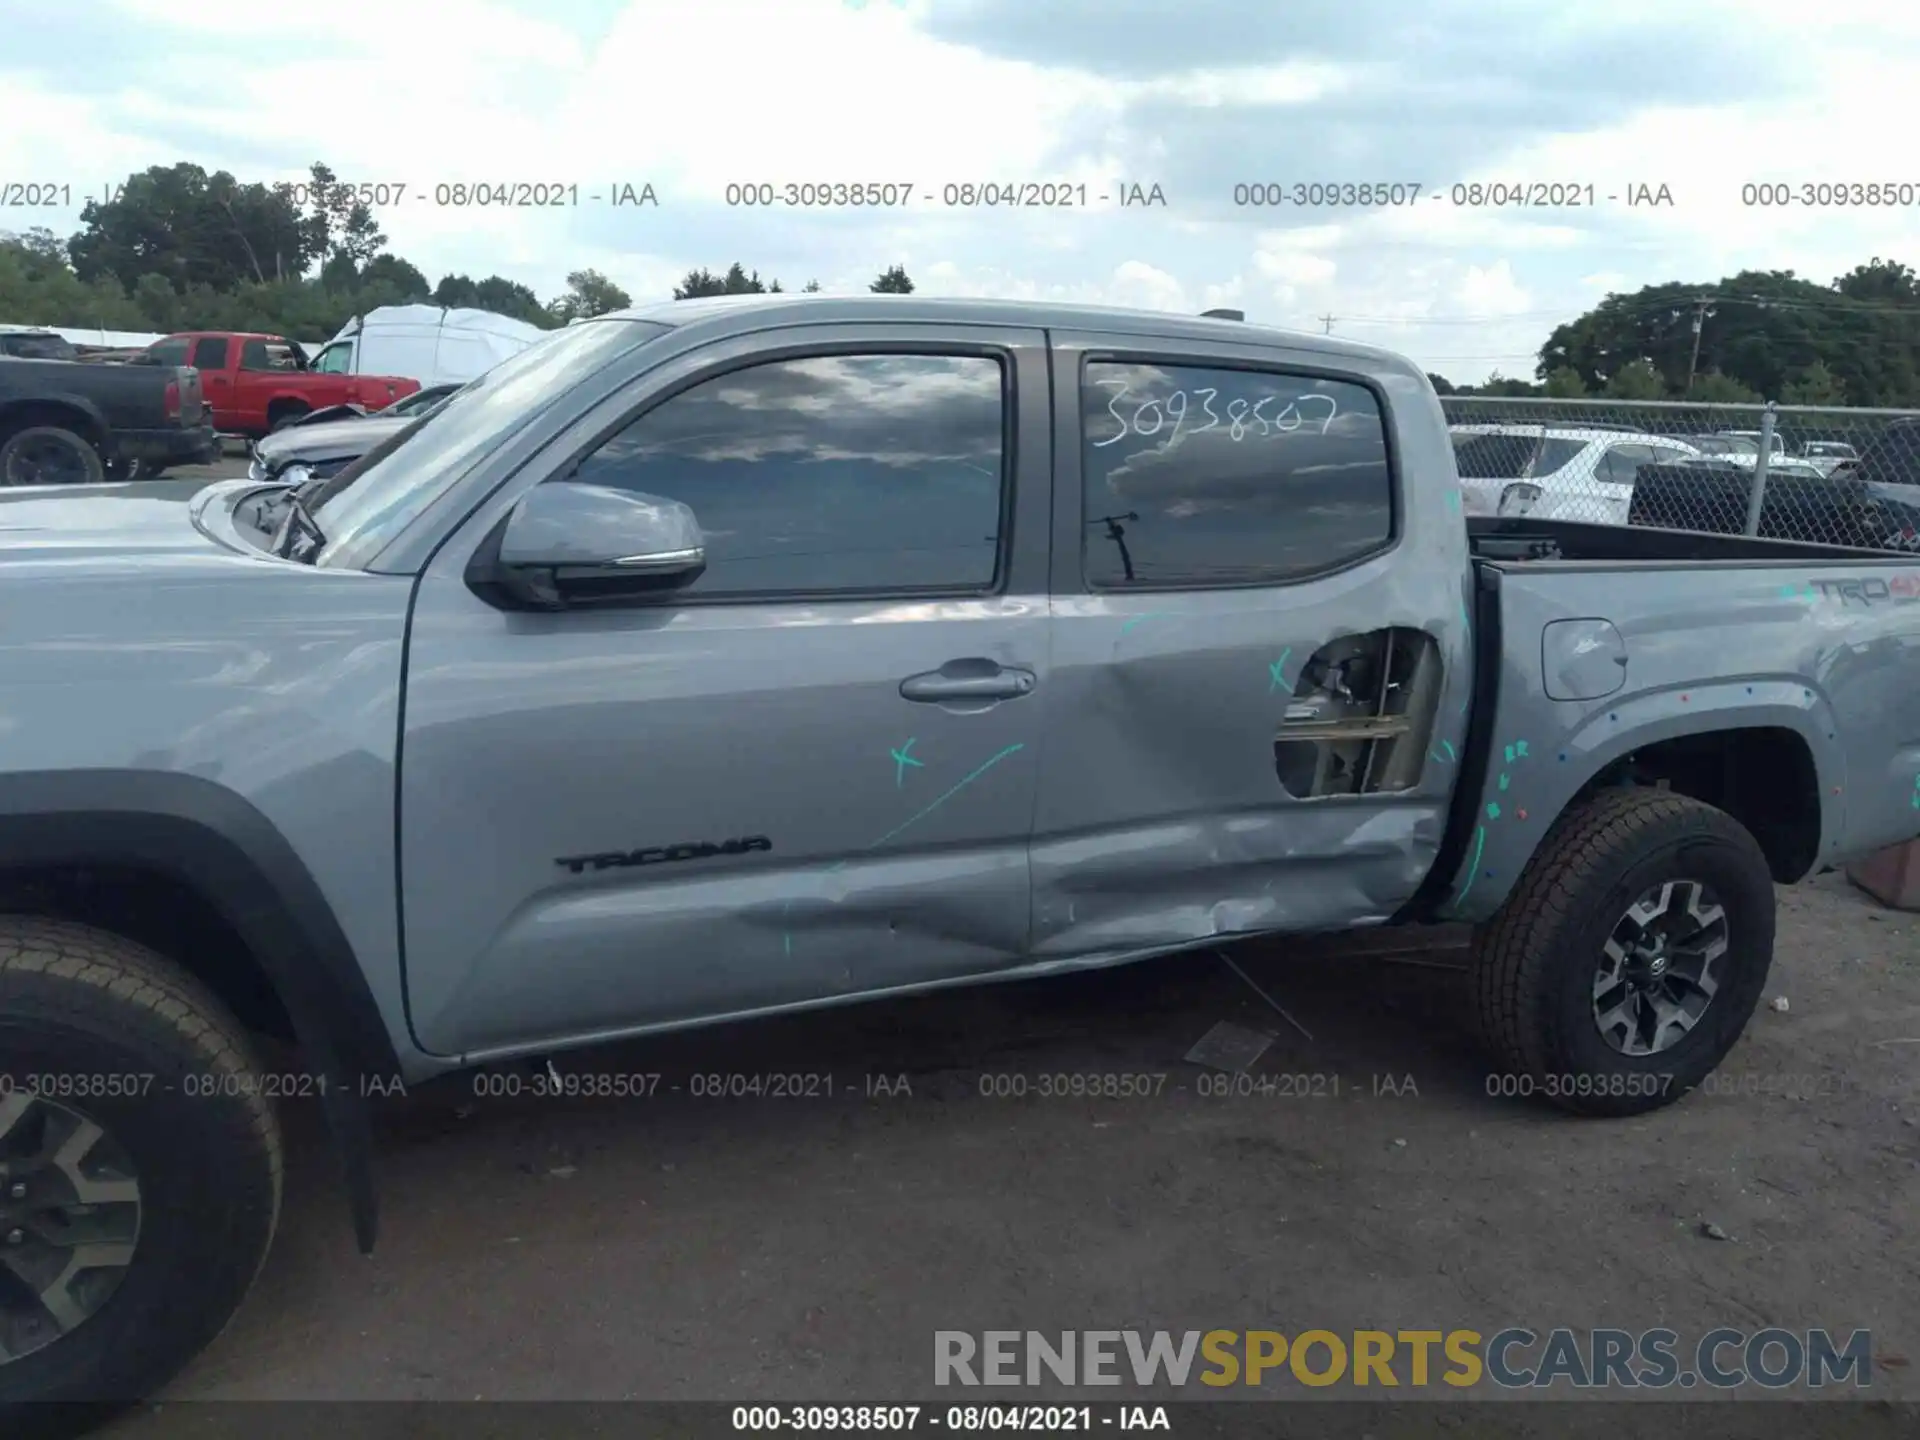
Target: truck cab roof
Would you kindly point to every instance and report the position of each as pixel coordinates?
(1045, 314)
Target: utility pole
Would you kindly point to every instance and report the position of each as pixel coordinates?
(1701, 311)
(1327, 322)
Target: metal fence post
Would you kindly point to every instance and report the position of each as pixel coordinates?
(1758, 499)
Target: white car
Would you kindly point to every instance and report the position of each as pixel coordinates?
(1556, 472)
(1825, 455)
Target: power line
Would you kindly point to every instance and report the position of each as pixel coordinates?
(1676, 307)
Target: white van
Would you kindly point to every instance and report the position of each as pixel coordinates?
(428, 343)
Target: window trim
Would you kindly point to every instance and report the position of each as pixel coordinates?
(1107, 354)
(956, 349)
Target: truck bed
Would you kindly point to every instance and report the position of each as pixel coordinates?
(1777, 668)
(1516, 538)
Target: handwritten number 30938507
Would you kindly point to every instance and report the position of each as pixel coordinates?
(1240, 421)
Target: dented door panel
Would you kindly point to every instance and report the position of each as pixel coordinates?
(679, 811)
(1246, 757)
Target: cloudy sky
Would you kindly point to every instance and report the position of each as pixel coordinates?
(1701, 96)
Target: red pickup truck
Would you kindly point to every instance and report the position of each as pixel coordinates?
(255, 384)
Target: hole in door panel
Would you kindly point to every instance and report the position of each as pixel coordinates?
(1361, 716)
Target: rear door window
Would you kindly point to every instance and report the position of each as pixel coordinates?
(1201, 476)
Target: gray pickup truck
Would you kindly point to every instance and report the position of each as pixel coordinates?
(730, 657)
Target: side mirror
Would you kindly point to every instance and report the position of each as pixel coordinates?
(569, 544)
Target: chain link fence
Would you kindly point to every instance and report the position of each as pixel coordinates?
(1792, 472)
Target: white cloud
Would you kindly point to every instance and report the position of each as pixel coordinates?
(692, 97)
(1492, 290)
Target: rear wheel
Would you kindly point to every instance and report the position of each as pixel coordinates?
(1629, 958)
(139, 1168)
(50, 455)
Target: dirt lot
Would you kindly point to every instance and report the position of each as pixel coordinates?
(683, 1248)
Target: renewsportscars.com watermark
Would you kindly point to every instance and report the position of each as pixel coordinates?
(1511, 1359)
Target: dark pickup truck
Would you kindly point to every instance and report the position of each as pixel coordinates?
(66, 422)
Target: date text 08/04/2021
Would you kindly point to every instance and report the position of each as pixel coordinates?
(963, 1419)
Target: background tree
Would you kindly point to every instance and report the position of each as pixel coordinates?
(735, 281)
(1761, 329)
(812, 287)
(189, 227)
(1566, 384)
(589, 293)
(892, 281)
(1713, 388)
(1815, 385)
(1638, 379)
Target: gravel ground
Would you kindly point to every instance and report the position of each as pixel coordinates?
(678, 1248)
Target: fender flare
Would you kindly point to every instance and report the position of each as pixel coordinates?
(64, 400)
(207, 837)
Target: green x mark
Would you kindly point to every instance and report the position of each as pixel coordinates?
(901, 760)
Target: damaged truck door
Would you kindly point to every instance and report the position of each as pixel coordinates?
(1251, 719)
(835, 723)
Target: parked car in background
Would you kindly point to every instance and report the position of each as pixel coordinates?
(1554, 472)
(417, 403)
(1715, 496)
(324, 447)
(1750, 440)
(255, 384)
(433, 344)
(1778, 463)
(63, 422)
(1826, 455)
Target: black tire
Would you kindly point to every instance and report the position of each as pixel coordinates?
(84, 1012)
(1535, 975)
(81, 458)
(281, 416)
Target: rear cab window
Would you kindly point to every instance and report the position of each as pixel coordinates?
(168, 352)
(1196, 476)
(268, 355)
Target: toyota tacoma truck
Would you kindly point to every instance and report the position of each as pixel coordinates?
(256, 384)
(739, 656)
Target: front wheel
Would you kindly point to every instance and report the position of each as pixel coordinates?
(139, 1169)
(1630, 956)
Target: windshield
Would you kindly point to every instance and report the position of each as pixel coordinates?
(1511, 457)
(1723, 445)
(363, 507)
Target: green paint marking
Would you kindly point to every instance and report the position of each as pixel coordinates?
(1447, 745)
(902, 758)
(1274, 671)
(927, 810)
(1142, 619)
(1509, 754)
(1520, 748)
(1473, 865)
(1493, 810)
(1503, 780)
